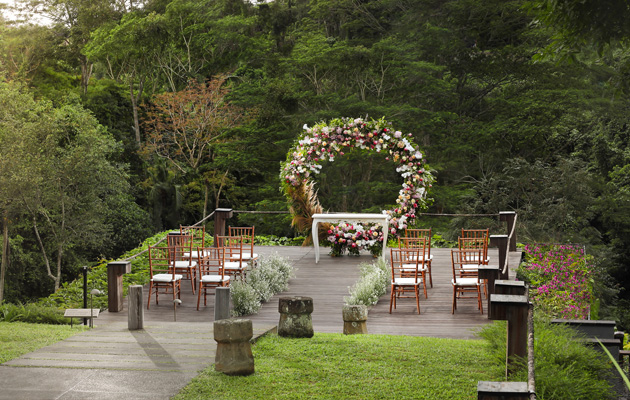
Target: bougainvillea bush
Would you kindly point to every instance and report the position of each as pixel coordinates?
(355, 237)
(560, 280)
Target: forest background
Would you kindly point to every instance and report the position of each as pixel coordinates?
(121, 118)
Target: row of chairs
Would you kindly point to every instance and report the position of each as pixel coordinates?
(411, 265)
(186, 256)
(471, 254)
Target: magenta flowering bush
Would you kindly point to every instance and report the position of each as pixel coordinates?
(355, 237)
(560, 280)
(325, 141)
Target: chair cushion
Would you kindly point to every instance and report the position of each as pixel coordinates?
(233, 265)
(195, 254)
(412, 267)
(185, 264)
(465, 282)
(165, 277)
(406, 281)
(245, 256)
(214, 278)
(470, 267)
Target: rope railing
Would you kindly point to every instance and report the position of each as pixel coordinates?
(164, 238)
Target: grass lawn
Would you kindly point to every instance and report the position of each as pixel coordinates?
(17, 338)
(334, 366)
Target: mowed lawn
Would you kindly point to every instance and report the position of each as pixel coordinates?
(335, 366)
(17, 338)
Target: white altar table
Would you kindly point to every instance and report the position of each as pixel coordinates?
(352, 217)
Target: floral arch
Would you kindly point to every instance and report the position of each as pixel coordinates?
(325, 141)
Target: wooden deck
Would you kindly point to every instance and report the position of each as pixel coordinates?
(328, 282)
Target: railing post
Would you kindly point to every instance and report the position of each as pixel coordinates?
(221, 215)
(513, 309)
(501, 242)
(115, 272)
(510, 218)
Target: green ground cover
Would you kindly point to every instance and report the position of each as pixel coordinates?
(18, 338)
(334, 366)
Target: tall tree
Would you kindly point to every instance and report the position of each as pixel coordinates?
(183, 126)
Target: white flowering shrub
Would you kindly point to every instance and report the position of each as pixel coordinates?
(372, 285)
(245, 299)
(271, 276)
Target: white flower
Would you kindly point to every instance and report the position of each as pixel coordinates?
(305, 127)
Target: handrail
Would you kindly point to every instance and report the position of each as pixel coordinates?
(164, 238)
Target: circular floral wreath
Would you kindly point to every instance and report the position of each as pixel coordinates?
(325, 141)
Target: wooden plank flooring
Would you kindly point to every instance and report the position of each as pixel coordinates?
(328, 282)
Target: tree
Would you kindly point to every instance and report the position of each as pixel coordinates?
(57, 172)
(183, 127)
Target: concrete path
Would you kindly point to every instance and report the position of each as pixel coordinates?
(111, 362)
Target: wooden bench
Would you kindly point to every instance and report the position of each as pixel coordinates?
(81, 313)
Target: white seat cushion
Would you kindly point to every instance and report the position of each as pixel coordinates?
(246, 256)
(406, 281)
(214, 279)
(412, 267)
(470, 267)
(233, 265)
(185, 264)
(466, 282)
(195, 254)
(165, 277)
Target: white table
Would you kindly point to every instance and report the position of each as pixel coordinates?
(337, 218)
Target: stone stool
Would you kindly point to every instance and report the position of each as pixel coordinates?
(234, 352)
(295, 317)
(354, 319)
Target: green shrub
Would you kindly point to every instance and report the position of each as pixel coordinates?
(32, 313)
(564, 367)
(372, 284)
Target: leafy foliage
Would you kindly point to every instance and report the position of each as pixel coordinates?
(565, 368)
(372, 284)
(560, 279)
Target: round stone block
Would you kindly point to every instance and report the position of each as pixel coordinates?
(295, 305)
(233, 330)
(295, 317)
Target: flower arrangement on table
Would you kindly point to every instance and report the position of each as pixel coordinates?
(325, 141)
(354, 238)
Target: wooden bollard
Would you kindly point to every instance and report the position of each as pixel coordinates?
(222, 303)
(295, 317)
(135, 317)
(513, 309)
(234, 352)
(354, 319)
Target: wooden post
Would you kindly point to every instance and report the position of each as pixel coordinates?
(510, 287)
(115, 272)
(221, 215)
(490, 274)
(510, 218)
(501, 242)
(513, 309)
(222, 303)
(502, 390)
(135, 319)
